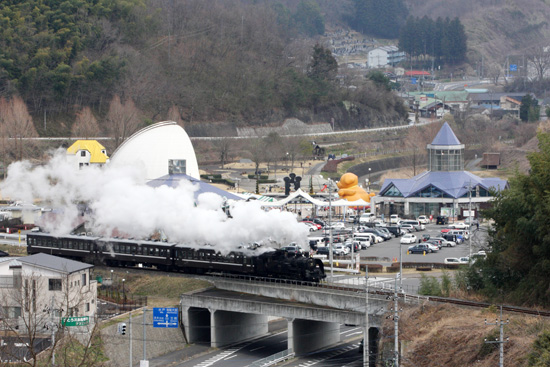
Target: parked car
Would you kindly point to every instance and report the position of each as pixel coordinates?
(444, 242)
(419, 249)
(316, 225)
(318, 221)
(425, 237)
(416, 224)
(394, 219)
(433, 247)
(408, 239)
(355, 244)
(452, 260)
(367, 218)
(435, 242)
(442, 219)
(423, 219)
(310, 226)
(293, 249)
(364, 242)
(323, 251)
(340, 250)
(373, 238)
(408, 228)
(385, 230)
(464, 260)
(459, 225)
(396, 230)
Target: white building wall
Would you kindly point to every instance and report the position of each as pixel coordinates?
(377, 58)
(32, 293)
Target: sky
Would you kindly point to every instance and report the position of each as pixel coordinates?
(121, 202)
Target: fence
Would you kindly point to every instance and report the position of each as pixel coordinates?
(115, 301)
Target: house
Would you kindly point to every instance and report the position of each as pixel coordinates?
(40, 291)
(87, 152)
(383, 56)
(490, 160)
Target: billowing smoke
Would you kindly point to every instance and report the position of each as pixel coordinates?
(120, 202)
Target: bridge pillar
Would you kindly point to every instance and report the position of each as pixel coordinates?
(231, 327)
(196, 322)
(307, 335)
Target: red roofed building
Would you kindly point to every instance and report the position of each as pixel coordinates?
(416, 73)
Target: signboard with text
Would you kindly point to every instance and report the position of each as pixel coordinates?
(165, 317)
(75, 321)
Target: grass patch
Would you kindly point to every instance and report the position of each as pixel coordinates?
(14, 250)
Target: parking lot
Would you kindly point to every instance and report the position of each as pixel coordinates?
(390, 249)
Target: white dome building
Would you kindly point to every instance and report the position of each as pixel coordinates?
(162, 148)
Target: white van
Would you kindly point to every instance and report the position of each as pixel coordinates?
(367, 218)
(394, 218)
(363, 241)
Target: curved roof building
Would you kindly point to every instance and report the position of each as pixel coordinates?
(162, 148)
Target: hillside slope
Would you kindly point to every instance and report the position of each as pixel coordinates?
(451, 336)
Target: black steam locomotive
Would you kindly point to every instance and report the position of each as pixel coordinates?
(176, 257)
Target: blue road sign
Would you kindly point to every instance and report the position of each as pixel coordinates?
(166, 317)
(413, 80)
(513, 67)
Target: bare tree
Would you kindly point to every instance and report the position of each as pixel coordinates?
(256, 149)
(539, 59)
(16, 125)
(32, 308)
(224, 148)
(123, 119)
(86, 125)
(493, 71)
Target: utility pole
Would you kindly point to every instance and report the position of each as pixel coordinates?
(501, 340)
(53, 332)
(331, 257)
(470, 216)
(366, 343)
(396, 325)
(130, 336)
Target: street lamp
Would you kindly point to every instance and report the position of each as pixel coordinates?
(368, 182)
(237, 181)
(123, 294)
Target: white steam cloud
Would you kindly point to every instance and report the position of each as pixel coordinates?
(121, 202)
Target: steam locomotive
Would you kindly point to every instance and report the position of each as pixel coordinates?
(176, 257)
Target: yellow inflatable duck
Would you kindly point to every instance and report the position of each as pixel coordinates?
(350, 190)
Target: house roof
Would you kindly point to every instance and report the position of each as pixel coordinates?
(416, 73)
(454, 183)
(92, 146)
(445, 136)
(173, 180)
(475, 97)
(490, 159)
(55, 263)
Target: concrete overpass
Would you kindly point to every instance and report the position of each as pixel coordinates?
(237, 311)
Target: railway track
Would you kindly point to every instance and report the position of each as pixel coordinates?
(333, 287)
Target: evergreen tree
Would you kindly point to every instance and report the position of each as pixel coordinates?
(519, 263)
(309, 19)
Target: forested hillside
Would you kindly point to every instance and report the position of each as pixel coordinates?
(242, 62)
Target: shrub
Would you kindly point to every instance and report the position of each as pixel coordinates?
(429, 286)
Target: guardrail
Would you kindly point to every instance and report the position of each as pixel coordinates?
(273, 359)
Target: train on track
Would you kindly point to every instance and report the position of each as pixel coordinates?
(166, 256)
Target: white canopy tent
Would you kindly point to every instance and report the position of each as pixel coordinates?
(306, 196)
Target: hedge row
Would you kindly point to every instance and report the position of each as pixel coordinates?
(262, 177)
(211, 177)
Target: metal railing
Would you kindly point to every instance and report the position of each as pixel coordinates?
(273, 359)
